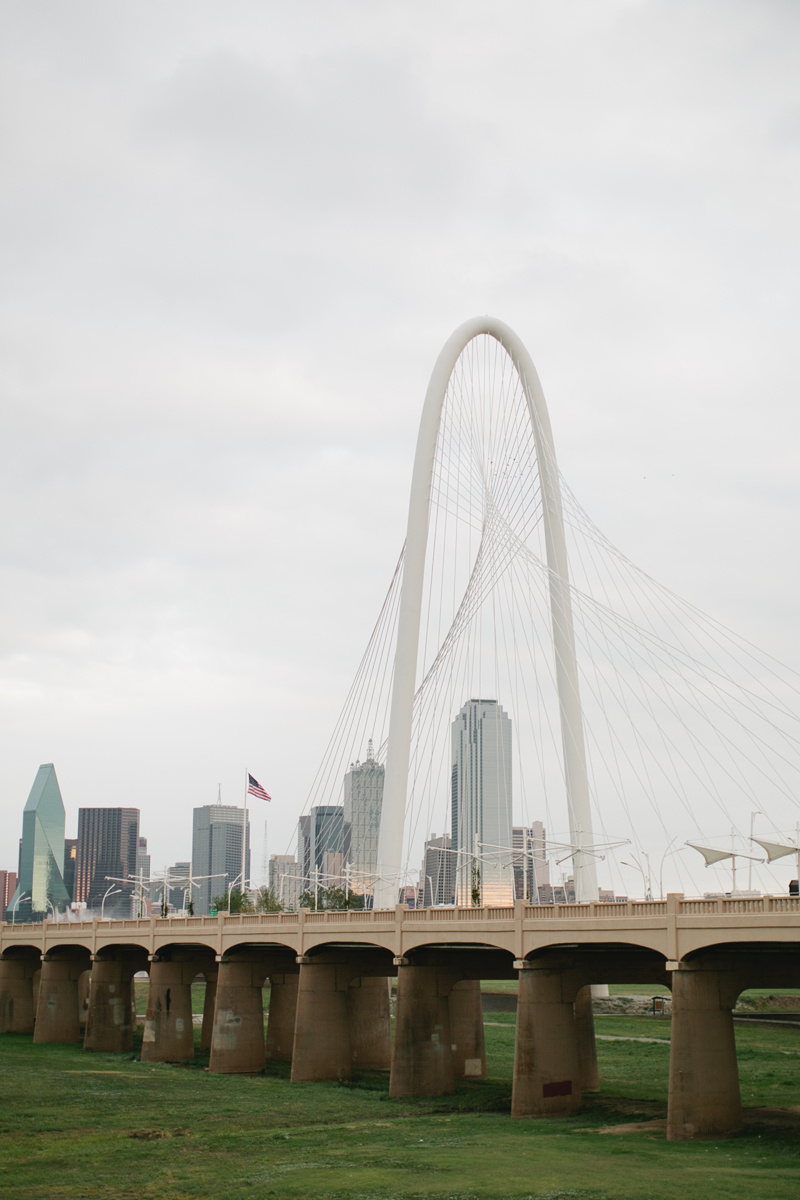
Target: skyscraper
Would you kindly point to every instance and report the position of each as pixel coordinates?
(108, 841)
(481, 803)
(328, 845)
(285, 879)
(8, 885)
(41, 860)
(531, 868)
(304, 850)
(363, 799)
(438, 872)
(217, 851)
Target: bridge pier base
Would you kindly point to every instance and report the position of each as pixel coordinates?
(587, 1046)
(58, 1012)
(547, 1077)
(237, 1043)
(16, 994)
(322, 1047)
(422, 1053)
(704, 1094)
(466, 1028)
(282, 1013)
(168, 1033)
(209, 1005)
(369, 1021)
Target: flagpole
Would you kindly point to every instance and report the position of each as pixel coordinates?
(244, 832)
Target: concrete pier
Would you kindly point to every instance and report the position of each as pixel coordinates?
(422, 1053)
(704, 1095)
(110, 1014)
(209, 1004)
(58, 1013)
(466, 1029)
(282, 1012)
(587, 1046)
(168, 1032)
(237, 1043)
(17, 971)
(322, 1030)
(547, 1077)
(369, 1022)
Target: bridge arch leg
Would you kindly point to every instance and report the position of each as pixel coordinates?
(237, 1043)
(209, 1006)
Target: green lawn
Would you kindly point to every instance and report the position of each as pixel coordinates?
(69, 1120)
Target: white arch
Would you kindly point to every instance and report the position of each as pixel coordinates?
(390, 841)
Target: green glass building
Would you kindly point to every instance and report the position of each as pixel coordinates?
(41, 874)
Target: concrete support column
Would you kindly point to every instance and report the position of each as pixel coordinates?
(168, 1034)
(84, 988)
(422, 1052)
(108, 1022)
(466, 1028)
(282, 1013)
(237, 1043)
(209, 1005)
(37, 979)
(322, 1031)
(369, 1018)
(587, 1046)
(546, 1070)
(16, 995)
(57, 1016)
(704, 1096)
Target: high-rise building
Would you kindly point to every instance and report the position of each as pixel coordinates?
(531, 868)
(329, 846)
(40, 881)
(304, 850)
(217, 852)
(8, 885)
(179, 881)
(142, 859)
(70, 859)
(363, 799)
(108, 841)
(438, 873)
(481, 804)
(286, 879)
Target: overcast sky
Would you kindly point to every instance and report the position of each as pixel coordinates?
(234, 237)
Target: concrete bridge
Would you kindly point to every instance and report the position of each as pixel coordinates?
(329, 1003)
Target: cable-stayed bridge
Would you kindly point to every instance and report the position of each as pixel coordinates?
(521, 669)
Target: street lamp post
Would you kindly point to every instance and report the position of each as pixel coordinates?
(112, 891)
(21, 896)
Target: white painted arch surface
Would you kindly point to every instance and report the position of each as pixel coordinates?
(390, 841)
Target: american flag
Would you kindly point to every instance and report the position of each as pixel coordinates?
(254, 788)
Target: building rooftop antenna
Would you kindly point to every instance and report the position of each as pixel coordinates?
(370, 751)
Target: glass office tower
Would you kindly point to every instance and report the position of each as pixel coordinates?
(41, 882)
(481, 804)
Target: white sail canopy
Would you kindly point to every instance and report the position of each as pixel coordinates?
(775, 849)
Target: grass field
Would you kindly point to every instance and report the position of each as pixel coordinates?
(75, 1126)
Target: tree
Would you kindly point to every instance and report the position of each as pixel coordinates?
(234, 901)
(332, 898)
(476, 886)
(267, 901)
